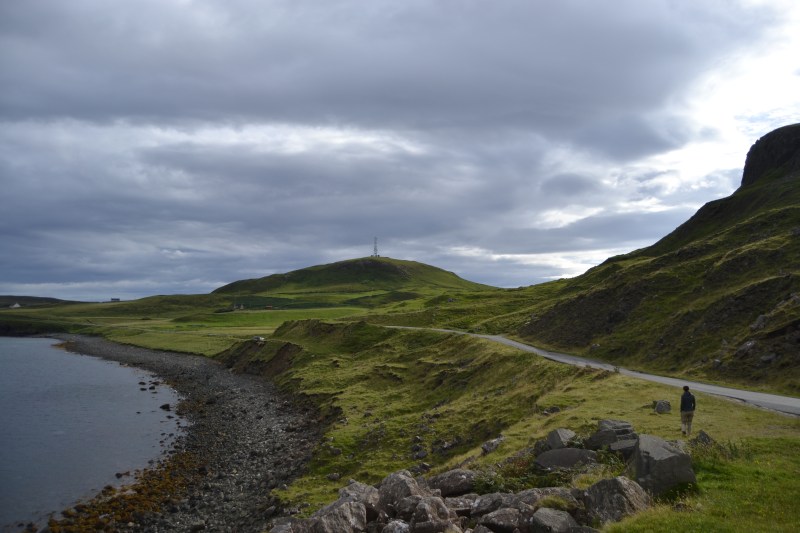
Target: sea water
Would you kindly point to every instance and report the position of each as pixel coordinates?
(69, 424)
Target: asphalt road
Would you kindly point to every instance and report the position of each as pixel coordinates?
(783, 404)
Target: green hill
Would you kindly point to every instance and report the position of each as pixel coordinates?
(354, 276)
(718, 298)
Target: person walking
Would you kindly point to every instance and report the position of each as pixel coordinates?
(687, 410)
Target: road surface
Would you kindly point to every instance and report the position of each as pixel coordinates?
(783, 404)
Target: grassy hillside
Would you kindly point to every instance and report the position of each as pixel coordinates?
(387, 397)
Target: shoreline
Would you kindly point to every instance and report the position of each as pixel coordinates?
(244, 438)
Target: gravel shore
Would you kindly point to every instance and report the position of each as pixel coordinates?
(245, 438)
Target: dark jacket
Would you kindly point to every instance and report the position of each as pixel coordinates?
(687, 401)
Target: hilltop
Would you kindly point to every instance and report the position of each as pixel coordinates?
(354, 276)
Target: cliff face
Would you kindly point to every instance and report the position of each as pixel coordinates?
(777, 150)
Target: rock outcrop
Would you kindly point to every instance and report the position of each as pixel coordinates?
(778, 149)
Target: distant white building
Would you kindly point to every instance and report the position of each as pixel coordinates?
(15, 306)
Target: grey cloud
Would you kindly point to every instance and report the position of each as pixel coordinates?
(109, 175)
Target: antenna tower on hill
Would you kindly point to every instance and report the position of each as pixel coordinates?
(375, 248)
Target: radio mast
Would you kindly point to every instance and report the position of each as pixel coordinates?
(375, 248)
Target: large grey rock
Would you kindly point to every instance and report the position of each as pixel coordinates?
(491, 445)
(396, 526)
(395, 487)
(486, 503)
(454, 482)
(361, 492)
(662, 407)
(560, 438)
(565, 458)
(432, 508)
(404, 509)
(534, 496)
(659, 466)
(624, 448)
(547, 520)
(349, 516)
(609, 432)
(462, 505)
(611, 500)
(504, 520)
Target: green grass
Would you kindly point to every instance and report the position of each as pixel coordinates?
(385, 390)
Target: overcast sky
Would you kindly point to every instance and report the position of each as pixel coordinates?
(173, 146)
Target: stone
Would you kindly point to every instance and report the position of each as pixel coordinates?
(560, 438)
(624, 448)
(547, 520)
(404, 509)
(565, 458)
(349, 516)
(487, 503)
(394, 488)
(454, 482)
(504, 520)
(662, 407)
(608, 432)
(611, 500)
(533, 497)
(361, 492)
(491, 445)
(659, 466)
(396, 526)
(702, 439)
(461, 505)
(430, 509)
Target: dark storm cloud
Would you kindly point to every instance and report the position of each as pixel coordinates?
(175, 146)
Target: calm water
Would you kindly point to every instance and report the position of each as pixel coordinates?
(69, 423)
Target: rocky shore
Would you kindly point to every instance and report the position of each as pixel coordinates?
(244, 439)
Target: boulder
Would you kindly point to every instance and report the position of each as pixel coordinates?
(454, 482)
(624, 448)
(504, 520)
(565, 458)
(349, 516)
(610, 500)
(560, 438)
(404, 509)
(431, 508)
(702, 439)
(361, 492)
(659, 466)
(533, 497)
(662, 407)
(491, 445)
(487, 503)
(547, 520)
(394, 488)
(462, 505)
(609, 432)
(396, 526)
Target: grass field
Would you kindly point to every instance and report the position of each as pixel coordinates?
(382, 391)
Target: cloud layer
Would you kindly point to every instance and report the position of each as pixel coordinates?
(173, 146)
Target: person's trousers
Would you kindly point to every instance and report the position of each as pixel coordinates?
(686, 421)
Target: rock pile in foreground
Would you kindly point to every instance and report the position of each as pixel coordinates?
(448, 503)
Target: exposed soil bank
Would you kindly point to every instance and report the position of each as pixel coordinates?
(245, 438)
